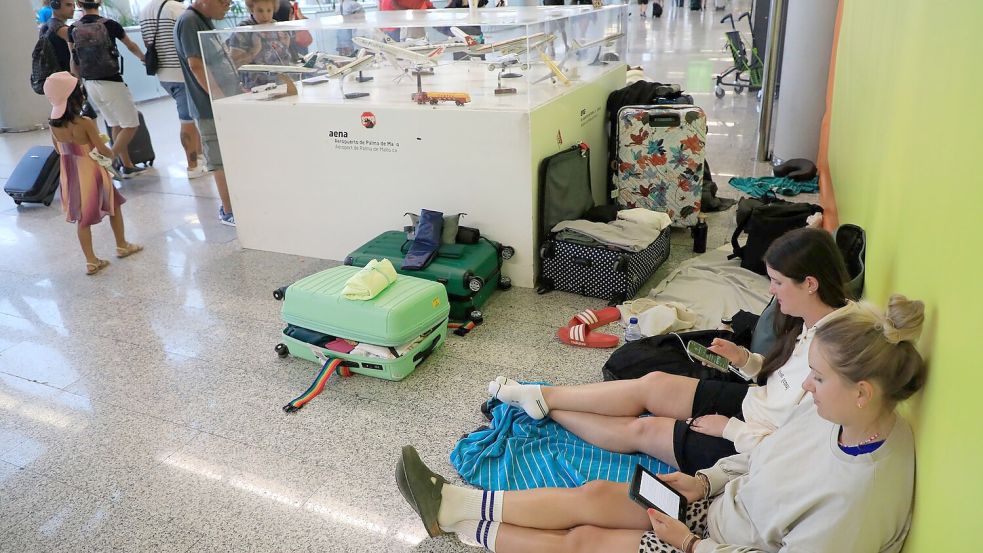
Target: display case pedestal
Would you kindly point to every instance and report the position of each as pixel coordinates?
(319, 180)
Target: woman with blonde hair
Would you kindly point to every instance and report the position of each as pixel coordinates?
(838, 476)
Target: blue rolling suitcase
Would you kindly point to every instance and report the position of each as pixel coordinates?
(36, 177)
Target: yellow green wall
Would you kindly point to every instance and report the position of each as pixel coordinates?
(906, 161)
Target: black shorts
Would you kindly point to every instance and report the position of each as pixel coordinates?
(695, 451)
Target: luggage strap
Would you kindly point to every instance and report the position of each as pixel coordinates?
(330, 367)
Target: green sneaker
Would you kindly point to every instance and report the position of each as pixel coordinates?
(420, 487)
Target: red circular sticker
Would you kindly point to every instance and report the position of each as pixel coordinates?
(368, 119)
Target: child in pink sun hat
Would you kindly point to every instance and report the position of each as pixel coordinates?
(87, 191)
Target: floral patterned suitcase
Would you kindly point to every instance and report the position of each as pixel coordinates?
(660, 155)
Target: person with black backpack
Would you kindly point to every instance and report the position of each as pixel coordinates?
(51, 53)
(95, 58)
(56, 31)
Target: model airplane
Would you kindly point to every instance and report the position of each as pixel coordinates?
(606, 41)
(518, 45)
(394, 53)
(425, 47)
(278, 69)
(507, 61)
(357, 64)
(556, 74)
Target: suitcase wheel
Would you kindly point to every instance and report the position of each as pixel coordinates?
(718, 91)
(281, 350)
(476, 316)
(16, 202)
(475, 284)
(507, 252)
(47, 202)
(504, 283)
(279, 293)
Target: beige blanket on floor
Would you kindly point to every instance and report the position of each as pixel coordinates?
(713, 287)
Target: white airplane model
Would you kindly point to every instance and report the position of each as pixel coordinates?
(390, 51)
(356, 64)
(607, 40)
(516, 45)
(507, 61)
(278, 69)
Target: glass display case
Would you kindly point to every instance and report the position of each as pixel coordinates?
(492, 58)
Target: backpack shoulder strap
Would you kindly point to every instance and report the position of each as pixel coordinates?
(741, 226)
(160, 10)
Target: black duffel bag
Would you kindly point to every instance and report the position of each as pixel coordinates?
(764, 220)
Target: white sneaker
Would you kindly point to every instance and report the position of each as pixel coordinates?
(198, 171)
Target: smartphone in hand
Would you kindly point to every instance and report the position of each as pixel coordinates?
(716, 361)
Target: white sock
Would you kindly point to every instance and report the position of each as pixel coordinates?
(477, 533)
(528, 397)
(457, 504)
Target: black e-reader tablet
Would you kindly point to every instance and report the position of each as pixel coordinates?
(649, 491)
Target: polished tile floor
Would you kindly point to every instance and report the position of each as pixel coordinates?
(140, 408)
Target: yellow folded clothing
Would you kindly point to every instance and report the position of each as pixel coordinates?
(370, 281)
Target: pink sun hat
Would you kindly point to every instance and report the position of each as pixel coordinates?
(58, 87)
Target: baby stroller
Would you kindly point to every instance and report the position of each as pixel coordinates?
(742, 64)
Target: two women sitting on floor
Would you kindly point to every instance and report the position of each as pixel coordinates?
(836, 475)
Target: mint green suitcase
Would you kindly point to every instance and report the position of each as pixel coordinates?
(315, 312)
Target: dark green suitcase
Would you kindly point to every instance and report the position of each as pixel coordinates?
(471, 272)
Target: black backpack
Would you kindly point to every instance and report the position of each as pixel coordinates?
(44, 62)
(95, 51)
(764, 220)
(667, 352)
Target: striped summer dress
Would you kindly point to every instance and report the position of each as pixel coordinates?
(87, 191)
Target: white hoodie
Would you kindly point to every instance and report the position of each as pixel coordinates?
(767, 407)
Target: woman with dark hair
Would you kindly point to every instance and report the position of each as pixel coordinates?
(87, 191)
(838, 475)
(697, 422)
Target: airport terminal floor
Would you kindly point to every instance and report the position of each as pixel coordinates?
(140, 408)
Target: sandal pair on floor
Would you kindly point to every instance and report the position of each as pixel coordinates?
(121, 252)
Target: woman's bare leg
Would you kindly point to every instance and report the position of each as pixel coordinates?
(649, 435)
(516, 539)
(662, 394)
(596, 503)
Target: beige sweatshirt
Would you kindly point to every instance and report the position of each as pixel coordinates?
(767, 407)
(797, 491)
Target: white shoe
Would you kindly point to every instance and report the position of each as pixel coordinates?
(197, 171)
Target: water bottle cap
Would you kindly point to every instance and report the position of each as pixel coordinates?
(633, 321)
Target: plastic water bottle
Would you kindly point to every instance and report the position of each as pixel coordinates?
(632, 332)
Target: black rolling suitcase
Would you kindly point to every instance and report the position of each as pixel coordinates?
(597, 271)
(35, 179)
(141, 148)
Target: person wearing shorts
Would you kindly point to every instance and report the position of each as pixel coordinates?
(104, 85)
(222, 81)
(157, 21)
